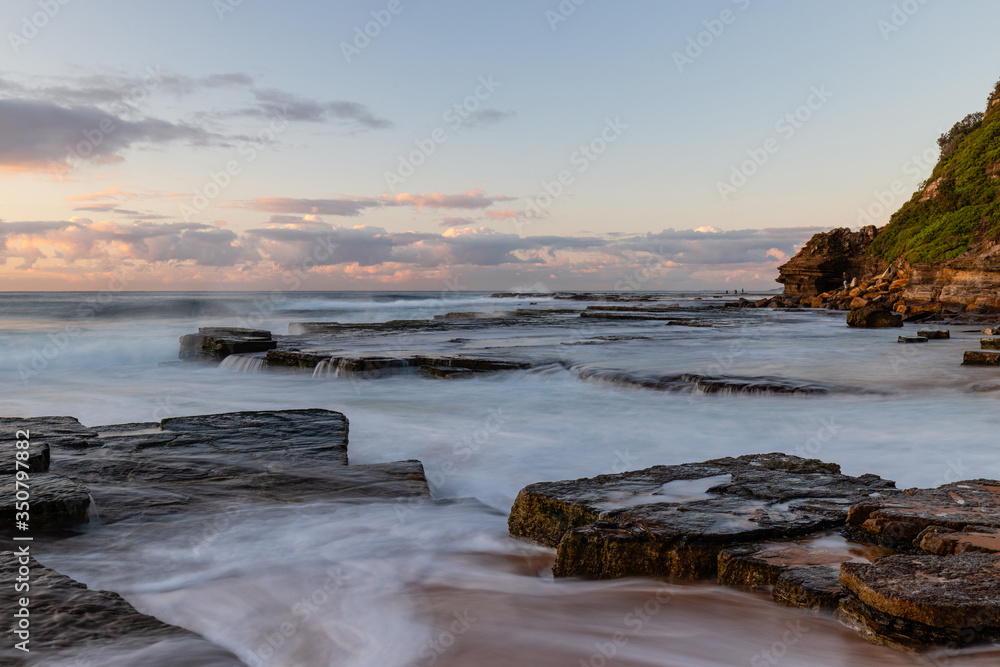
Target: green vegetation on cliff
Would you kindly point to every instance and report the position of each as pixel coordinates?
(960, 206)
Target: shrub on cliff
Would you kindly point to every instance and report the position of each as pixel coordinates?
(959, 209)
(950, 140)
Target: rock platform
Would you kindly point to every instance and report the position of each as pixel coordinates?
(915, 569)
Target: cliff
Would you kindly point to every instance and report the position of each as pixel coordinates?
(945, 239)
(827, 259)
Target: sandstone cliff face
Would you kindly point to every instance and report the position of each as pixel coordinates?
(944, 243)
(821, 265)
(970, 282)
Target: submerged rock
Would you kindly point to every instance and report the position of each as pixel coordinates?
(919, 600)
(674, 520)
(217, 343)
(873, 317)
(71, 623)
(913, 339)
(446, 373)
(690, 382)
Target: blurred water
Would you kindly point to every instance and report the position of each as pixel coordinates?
(405, 571)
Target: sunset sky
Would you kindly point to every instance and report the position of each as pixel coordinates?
(457, 144)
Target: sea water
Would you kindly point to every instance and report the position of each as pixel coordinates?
(439, 581)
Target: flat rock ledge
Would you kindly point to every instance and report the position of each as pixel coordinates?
(798, 576)
(217, 343)
(94, 627)
(673, 521)
(911, 601)
(954, 518)
(920, 568)
(134, 471)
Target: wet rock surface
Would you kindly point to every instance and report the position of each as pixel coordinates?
(754, 566)
(130, 471)
(181, 464)
(899, 521)
(217, 343)
(55, 501)
(674, 520)
(913, 600)
(946, 542)
(873, 317)
(65, 614)
(977, 358)
(814, 588)
(935, 334)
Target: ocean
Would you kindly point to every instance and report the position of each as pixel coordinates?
(440, 582)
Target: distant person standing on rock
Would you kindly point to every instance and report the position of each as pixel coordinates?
(845, 279)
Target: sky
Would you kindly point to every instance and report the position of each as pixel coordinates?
(464, 145)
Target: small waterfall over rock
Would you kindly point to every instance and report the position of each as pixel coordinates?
(93, 516)
(244, 363)
(328, 368)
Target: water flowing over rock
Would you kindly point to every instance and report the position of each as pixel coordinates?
(73, 625)
(244, 363)
(374, 366)
(199, 466)
(690, 382)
